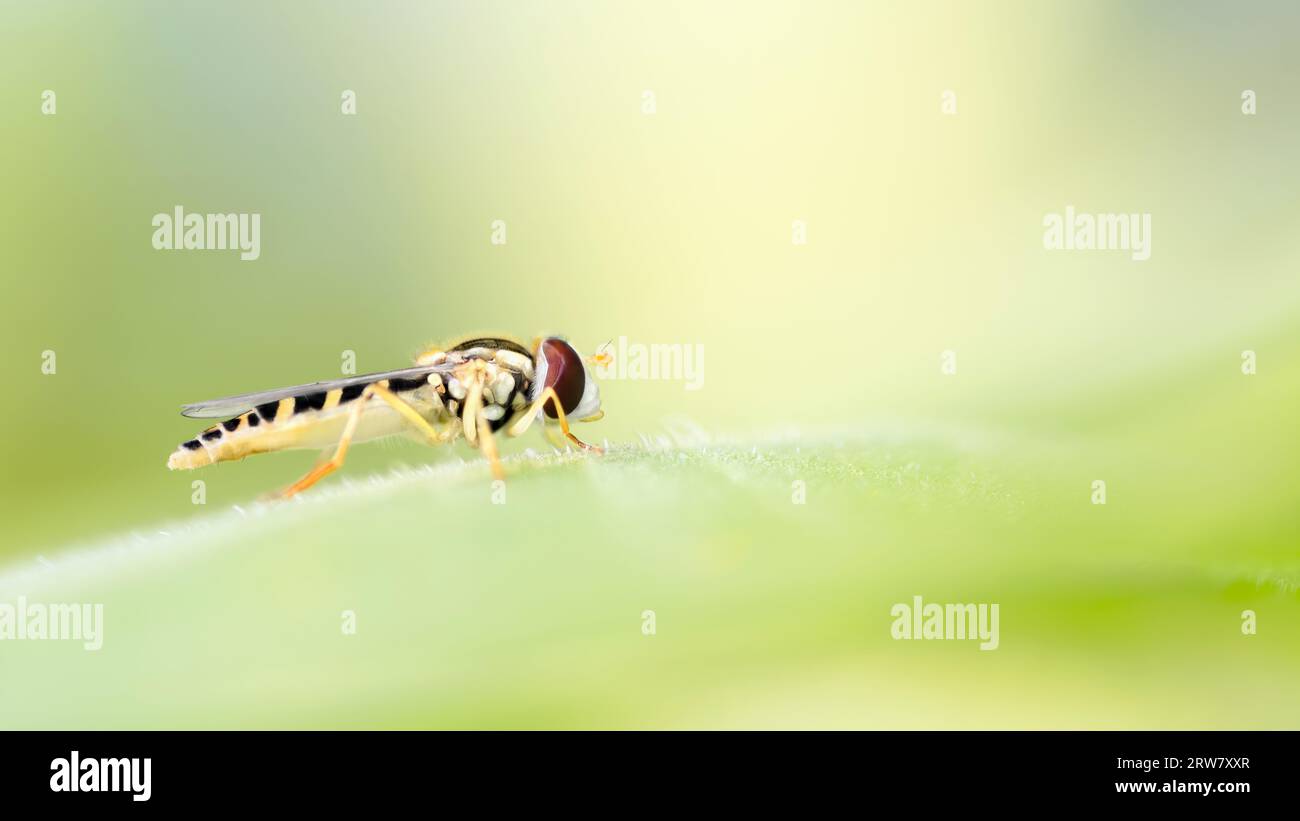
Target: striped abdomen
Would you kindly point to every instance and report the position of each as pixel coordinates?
(310, 420)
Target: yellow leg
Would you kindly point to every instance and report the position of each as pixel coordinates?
(473, 409)
(548, 395)
(408, 413)
(554, 437)
(488, 444)
(477, 429)
(335, 462)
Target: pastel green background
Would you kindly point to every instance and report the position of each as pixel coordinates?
(822, 361)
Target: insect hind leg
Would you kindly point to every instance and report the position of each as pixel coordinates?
(340, 452)
(403, 408)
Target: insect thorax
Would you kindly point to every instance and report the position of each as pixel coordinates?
(506, 371)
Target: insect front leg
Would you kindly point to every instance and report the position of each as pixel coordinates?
(549, 395)
(555, 438)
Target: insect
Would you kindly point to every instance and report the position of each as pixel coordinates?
(473, 389)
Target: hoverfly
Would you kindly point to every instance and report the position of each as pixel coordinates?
(472, 389)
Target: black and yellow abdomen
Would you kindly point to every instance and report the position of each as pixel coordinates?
(310, 420)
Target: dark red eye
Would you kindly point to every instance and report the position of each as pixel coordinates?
(565, 373)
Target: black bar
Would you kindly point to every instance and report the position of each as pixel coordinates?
(974, 769)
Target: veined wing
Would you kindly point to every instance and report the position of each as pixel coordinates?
(235, 405)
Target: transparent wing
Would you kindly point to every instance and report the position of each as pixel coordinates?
(235, 405)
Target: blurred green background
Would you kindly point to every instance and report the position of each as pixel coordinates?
(822, 361)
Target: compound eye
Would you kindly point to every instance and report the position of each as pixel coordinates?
(565, 373)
